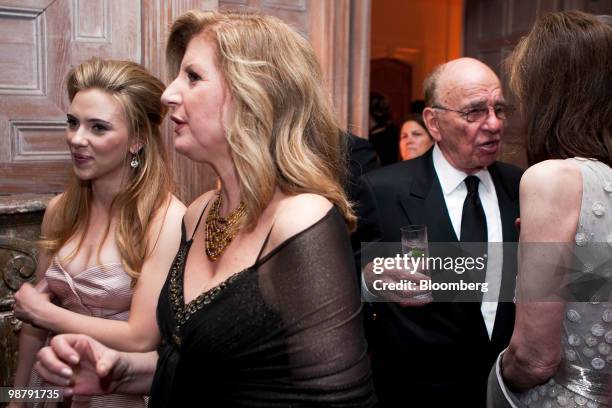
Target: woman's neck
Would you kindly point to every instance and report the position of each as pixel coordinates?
(230, 189)
(104, 192)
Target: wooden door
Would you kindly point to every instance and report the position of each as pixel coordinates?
(393, 79)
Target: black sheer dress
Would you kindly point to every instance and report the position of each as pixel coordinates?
(286, 332)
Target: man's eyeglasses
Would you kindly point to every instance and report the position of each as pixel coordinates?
(502, 112)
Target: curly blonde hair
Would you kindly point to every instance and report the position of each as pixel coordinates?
(283, 132)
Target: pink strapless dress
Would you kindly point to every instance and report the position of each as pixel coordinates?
(99, 291)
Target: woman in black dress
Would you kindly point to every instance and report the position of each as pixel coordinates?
(261, 306)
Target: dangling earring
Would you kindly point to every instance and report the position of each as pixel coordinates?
(134, 163)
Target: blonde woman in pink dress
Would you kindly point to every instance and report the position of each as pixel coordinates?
(109, 239)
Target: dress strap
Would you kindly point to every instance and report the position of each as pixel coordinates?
(267, 236)
(199, 220)
(264, 244)
(183, 231)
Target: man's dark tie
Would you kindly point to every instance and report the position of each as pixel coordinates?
(473, 220)
(474, 229)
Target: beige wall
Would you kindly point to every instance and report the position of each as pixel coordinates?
(423, 33)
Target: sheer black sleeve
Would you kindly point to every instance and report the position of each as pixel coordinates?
(310, 282)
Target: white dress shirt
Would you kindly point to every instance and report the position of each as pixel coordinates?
(455, 191)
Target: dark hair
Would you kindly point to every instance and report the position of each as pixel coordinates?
(417, 106)
(380, 110)
(562, 75)
(418, 118)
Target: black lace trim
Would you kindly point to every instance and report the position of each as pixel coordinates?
(182, 311)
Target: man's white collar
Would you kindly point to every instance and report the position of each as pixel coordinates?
(451, 178)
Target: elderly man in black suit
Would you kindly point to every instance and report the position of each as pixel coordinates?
(439, 354)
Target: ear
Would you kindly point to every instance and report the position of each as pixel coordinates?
(136, 146)
(431, 121)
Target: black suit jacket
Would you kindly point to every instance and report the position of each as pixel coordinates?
(437, 355)
(361, 160)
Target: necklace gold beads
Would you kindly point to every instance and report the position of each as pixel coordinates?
(221, 230)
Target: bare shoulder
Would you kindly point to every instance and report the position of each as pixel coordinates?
(50, 214)
(297, 213)
(550, 200)
(52, 207)
(174, 213)
(170, 211)
(195, 210)
(54, 201)
(176, 208)
(552, 180)
(165, 228)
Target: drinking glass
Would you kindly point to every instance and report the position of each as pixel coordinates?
(415, 246)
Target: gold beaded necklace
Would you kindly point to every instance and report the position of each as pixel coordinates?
(221, 230)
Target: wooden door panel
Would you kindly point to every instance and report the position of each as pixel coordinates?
(22, 50)
(105, 28)
(590, 6)
(26, 4)
(192, 178)
(521, 15)
(493, 25)
(327, 24)
(35, 140)
(39, 42)
(294, 12)
(393, 79)
(27, 48)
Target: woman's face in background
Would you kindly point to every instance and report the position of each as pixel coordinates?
(414, 140)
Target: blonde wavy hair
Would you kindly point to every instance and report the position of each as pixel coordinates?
(147, 187)
(283, 132)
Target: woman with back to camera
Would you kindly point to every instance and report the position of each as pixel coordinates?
(414, 139)
(261, 307)
(110, 238)
(560, 352)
